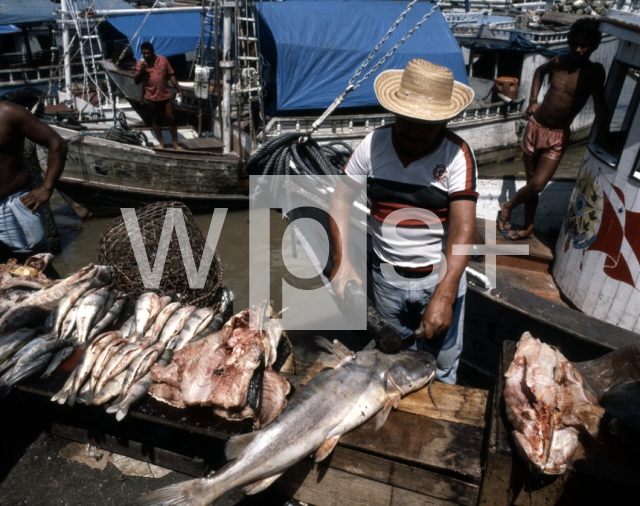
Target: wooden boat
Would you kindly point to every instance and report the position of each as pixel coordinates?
(105, 175)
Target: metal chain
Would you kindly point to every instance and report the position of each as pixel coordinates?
(393, 49)
(351, 87)
(137, 32)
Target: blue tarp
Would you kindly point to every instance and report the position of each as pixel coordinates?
(169, 33)
(317, 46)
(8, 29)
(518, 42)
(35, 11)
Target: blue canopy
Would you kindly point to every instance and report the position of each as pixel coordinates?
(35, 11)
(317, 46)
(8, 29)
(169, 33)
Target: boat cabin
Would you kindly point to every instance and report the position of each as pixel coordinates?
(597, 256)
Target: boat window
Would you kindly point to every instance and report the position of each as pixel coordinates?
(622, 95)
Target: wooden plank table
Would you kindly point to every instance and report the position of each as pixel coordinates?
(419, 456)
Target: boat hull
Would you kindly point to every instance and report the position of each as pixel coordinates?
(104, 176)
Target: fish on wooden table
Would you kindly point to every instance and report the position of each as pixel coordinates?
(30, 363)
(109, 318)
(36, 308)
(12, 342)
(138, 390)
(59, 358)
(148, 306)
(76, 379)
(175, 323)
(89, 311)
(197, 322)
(58, 314)
(547, 405)
(336, 401)
(161, 320)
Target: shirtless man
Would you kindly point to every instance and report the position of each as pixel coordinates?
(22, 227)
(155, 72)
(574, 78)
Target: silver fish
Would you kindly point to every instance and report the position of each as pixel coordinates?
(111, 389)
(26, 363)
(127, 326)
(136, 369)
(112, 316)
(103, 359)
(175, 323)
(334, 402)
(54, 322)
(138, 390)
(118, 363)
(68, 329)
(58, 359)
(38, 305)
(9, 344)
(161, 320)
(196, 323)
(88, 312)
(147, 308)
(82, 370)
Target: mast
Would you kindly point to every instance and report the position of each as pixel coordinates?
(227, 65)
(66, 39)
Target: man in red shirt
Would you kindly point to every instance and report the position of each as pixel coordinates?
(155, 72)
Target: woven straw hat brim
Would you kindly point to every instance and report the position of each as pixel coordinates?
(387, 88)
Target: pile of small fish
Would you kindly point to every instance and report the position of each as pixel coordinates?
(54, 312)
(547, 405)
(352, 388)
(230, 370)
(116, 363)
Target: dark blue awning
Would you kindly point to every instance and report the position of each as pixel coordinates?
(35, 11)
(169, 33)
(8, 29)
(317, 46)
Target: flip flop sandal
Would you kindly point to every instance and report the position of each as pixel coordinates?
(518, 237)
(502, 222)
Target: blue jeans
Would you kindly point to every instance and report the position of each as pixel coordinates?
(404, 310)
(21, 231)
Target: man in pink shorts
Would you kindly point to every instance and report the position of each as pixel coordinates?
(574, 78)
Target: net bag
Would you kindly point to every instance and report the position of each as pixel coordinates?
(114, 248)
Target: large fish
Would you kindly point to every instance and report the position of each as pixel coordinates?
(13, 298)
(196, 323)
(68, 329)
(11, 343)
(35, 309)
(110, 317)
(334, 402)
(148, 306)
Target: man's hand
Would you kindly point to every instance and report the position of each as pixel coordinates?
(35, 198)
(143, 64)
(531, 109)
(437, 317)
(340, 277)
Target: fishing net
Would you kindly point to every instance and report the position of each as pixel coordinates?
(114, 248)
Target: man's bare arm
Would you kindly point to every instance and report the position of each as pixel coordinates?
(140, 69)
(538, 76)
(175, 82)
(44, 135)
(439, 312)
(340, 209)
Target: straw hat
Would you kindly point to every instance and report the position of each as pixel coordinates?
(423, 91)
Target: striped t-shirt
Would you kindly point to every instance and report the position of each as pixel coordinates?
(445, 173)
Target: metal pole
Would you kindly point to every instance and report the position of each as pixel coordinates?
(66, 41)
(227, 66)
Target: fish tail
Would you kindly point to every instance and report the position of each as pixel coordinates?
(192, 493)
(431, 396)
(122, 412)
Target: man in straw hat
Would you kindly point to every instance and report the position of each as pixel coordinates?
(421, 181)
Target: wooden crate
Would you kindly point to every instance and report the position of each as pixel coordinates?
(604, 471)
(419, 456)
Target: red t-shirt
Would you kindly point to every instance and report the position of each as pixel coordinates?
(156, 79)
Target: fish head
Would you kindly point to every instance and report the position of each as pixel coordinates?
(412, 370)
(104, 273)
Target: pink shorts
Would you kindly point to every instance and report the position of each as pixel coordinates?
(541, 141)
